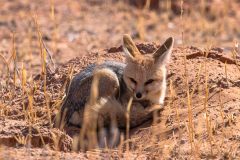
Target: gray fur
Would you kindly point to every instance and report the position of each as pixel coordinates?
(79, 90)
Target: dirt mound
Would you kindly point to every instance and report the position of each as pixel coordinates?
(199, 119)
(15, 133)
(201, 115)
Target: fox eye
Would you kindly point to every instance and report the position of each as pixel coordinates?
(133, 81)
(149, 81)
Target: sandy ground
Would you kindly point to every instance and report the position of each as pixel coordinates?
(205, 125)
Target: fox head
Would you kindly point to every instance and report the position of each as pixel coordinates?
(145, 74)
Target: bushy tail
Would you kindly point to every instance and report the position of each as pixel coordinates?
(95, 104)
(98, 74)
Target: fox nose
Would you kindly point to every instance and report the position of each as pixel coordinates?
(138, 95)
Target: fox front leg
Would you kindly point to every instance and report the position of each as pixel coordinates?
(154, 107)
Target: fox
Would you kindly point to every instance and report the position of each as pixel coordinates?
(101, 92)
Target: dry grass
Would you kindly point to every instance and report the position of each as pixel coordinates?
(32, 114)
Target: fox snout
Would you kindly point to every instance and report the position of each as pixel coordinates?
(138, 95)
(138, 91)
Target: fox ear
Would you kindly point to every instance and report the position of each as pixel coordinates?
(163, 53)
(129, 47)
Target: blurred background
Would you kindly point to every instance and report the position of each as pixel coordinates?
(73, 28)
(30, 97)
